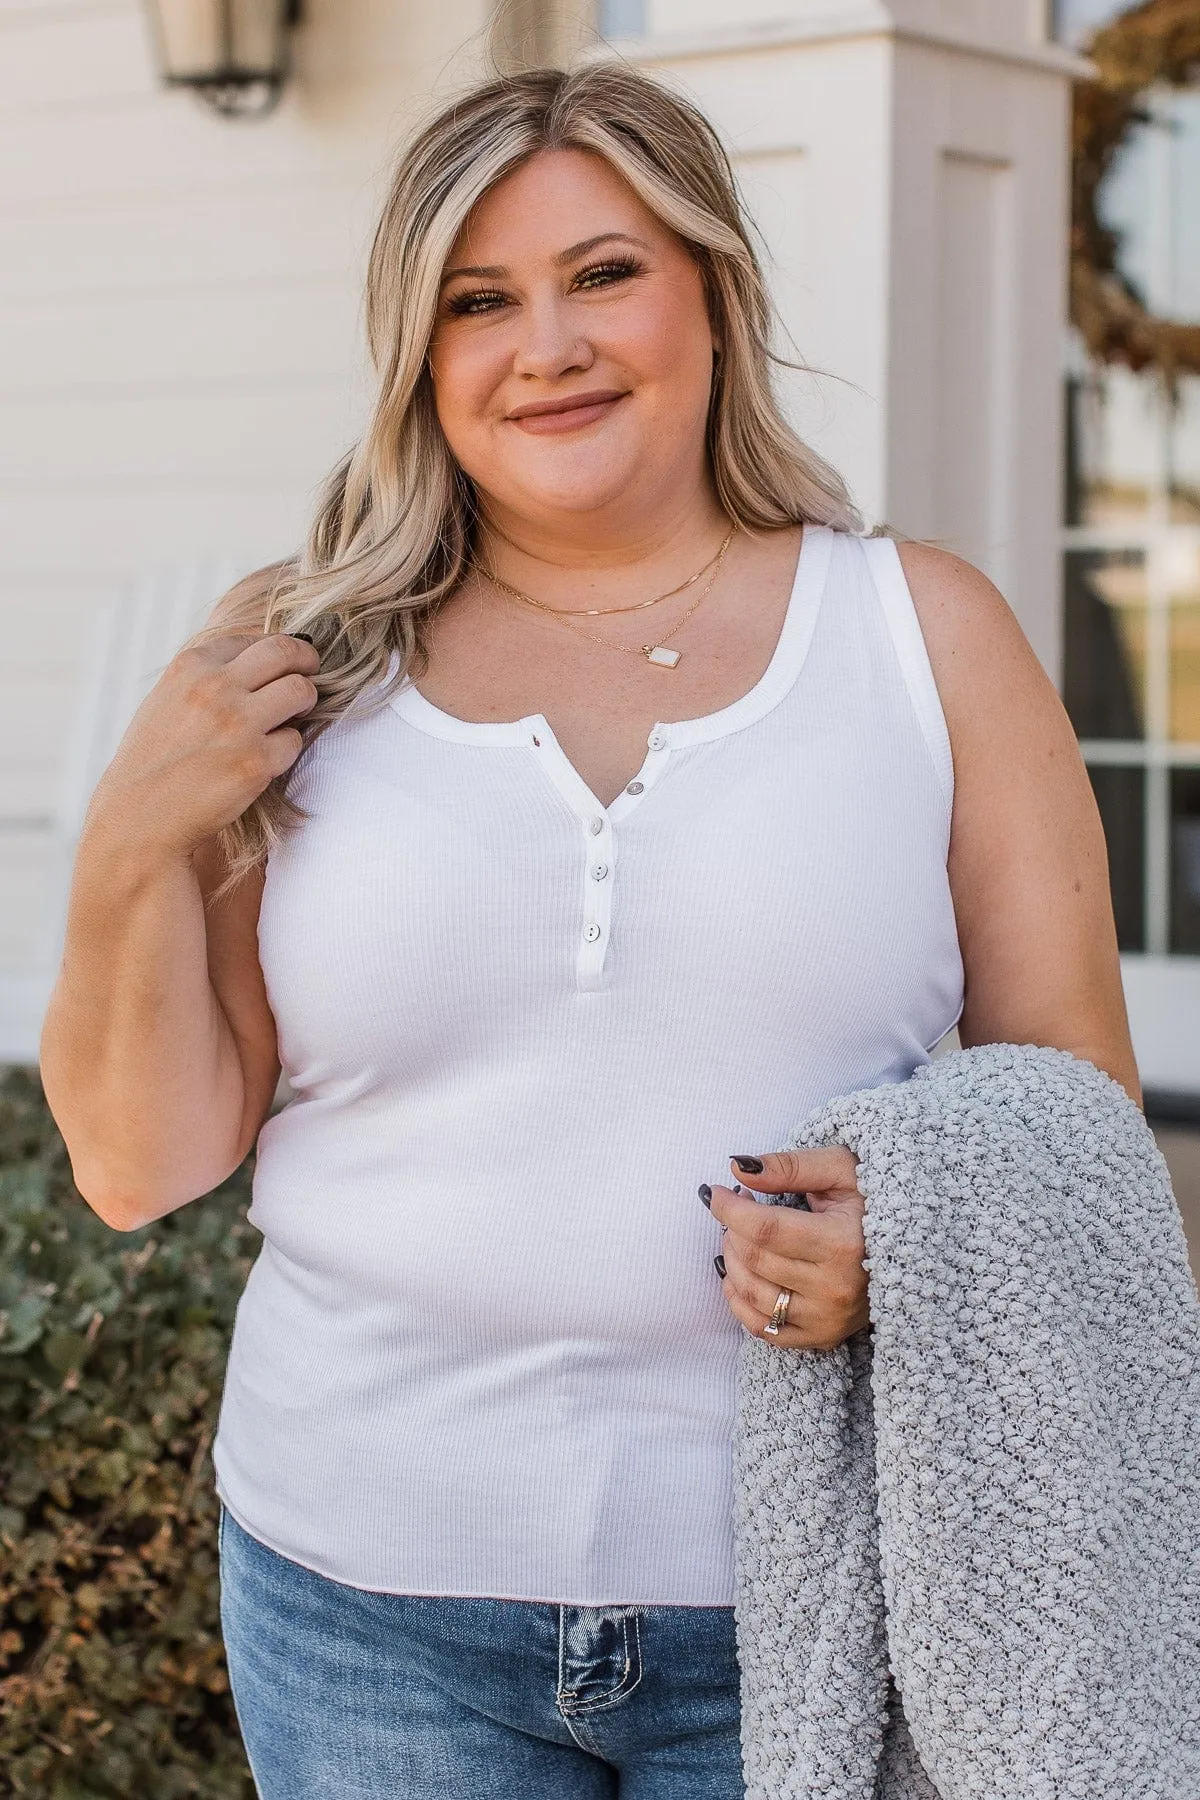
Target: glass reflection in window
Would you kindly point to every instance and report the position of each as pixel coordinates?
(1105, 633)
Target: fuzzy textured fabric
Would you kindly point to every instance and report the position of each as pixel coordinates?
(990, 1502)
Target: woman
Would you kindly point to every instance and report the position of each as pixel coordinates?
(621, 837)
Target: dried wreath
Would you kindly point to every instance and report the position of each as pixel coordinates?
(1157, 42)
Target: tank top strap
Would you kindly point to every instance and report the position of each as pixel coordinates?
(904, 628)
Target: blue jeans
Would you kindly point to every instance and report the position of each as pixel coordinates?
(344, 1694)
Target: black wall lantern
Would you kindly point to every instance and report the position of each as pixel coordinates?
(234, 53)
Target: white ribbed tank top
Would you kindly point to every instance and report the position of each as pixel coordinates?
(483, 1350)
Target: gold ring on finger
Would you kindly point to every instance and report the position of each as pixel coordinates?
(779, 1313)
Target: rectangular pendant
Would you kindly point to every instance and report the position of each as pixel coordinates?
(662, 656)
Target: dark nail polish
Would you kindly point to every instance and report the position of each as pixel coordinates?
(304, 637)
(737, 1187)
(749, 1165)
(719, 1266)
(706, 1193)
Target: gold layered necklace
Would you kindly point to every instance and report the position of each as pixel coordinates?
(657, 653)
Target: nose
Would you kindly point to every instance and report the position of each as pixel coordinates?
(550, 342)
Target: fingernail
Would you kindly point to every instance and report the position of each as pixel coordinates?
(706, 1193)
(304, 637)
(737, 1187)
(749, 1165)
(719, 1266)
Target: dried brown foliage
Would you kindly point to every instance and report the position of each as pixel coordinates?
(1158, 42)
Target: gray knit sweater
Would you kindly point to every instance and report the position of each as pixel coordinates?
(989, 1503)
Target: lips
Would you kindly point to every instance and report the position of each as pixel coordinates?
(568, 414)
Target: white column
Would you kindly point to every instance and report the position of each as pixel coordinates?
(909, 165)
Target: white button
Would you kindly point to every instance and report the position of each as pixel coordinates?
(657, 740)
(591, 933)
(635, 787)
(599, 871)
(596, 827)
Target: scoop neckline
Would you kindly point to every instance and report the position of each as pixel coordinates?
(786, 661)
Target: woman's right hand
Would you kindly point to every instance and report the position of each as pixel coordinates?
(211, 734)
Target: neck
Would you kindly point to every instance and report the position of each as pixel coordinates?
(597, 557)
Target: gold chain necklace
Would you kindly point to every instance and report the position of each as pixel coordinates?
(658, 653)
(596, 612)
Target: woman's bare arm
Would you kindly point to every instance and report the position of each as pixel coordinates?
(158, 1051)
(1028, 866)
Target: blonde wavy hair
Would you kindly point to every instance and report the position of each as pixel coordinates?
(395, 527)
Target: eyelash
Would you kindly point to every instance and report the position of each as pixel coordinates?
(480, 300)
(619, 267)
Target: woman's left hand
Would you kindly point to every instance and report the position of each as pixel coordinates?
(818, 1255)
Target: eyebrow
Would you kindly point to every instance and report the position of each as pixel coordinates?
(497, 272)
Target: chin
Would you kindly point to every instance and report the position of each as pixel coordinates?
(570, 474)
(577, 489)
(580, 498)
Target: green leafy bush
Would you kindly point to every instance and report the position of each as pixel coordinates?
(112, 1352)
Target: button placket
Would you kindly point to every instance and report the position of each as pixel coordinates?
(600, 858)
(657, 745)
(599, 854)
(596, 828)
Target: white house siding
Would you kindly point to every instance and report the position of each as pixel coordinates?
(180, 354)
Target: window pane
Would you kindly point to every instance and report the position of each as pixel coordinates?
(1105, 642)
(1185, 452)
(1185, 861)
(1185, 673)
(1148, 200)
(1182, 570)
(1183, 298)
(1117, 431)
(1121, 797)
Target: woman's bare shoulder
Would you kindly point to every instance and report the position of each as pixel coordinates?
(995, 693)
(970, 630)
(1009, 731)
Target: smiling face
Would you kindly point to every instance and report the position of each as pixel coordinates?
(572, 354)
